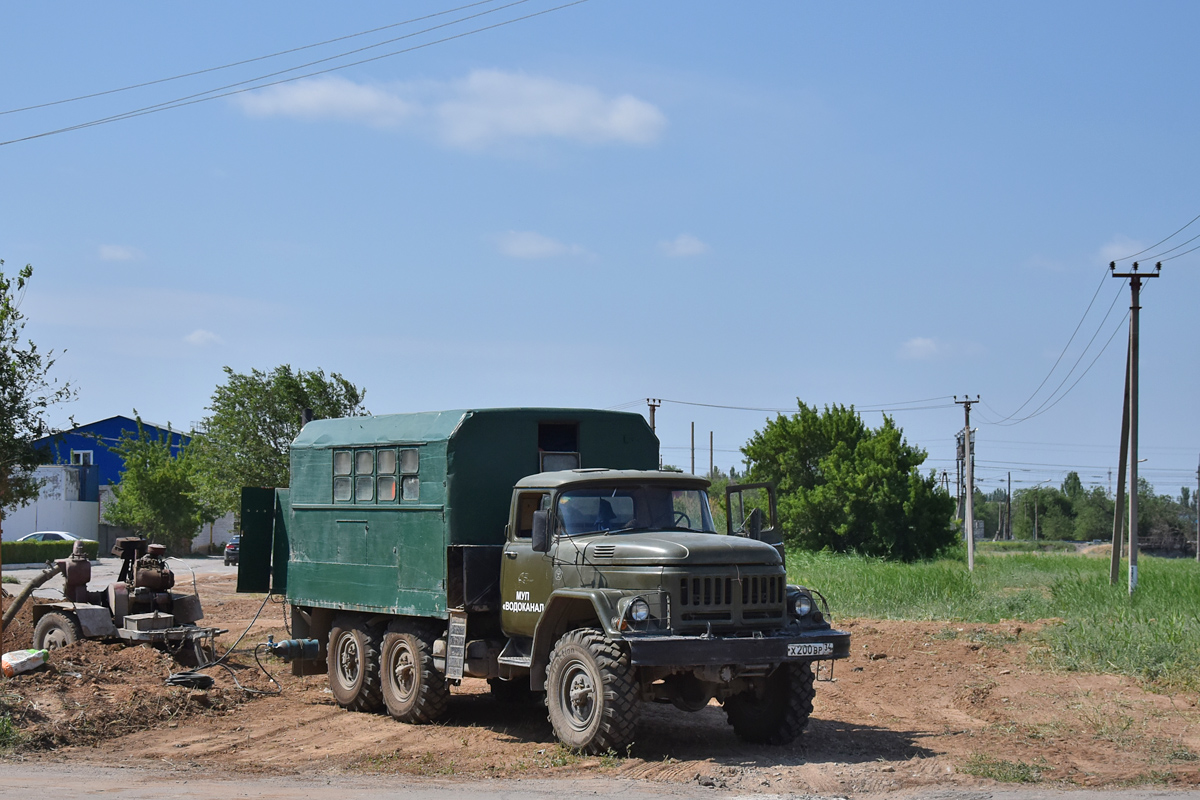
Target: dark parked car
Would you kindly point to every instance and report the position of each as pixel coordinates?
(231, 550)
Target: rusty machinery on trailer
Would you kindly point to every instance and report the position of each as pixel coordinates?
(139, 607)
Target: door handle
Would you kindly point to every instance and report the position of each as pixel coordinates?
(510, 554)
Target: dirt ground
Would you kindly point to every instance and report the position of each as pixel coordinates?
(917, 704)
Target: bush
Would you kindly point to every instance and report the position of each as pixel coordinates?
(41, 552)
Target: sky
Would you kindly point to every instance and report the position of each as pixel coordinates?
(714, 204)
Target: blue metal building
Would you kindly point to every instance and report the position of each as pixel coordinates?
(88, 445)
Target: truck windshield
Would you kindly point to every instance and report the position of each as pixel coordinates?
(633, 507)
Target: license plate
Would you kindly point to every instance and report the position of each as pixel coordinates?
(808, 649)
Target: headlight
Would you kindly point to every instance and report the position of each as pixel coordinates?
(804, 605)
(639, 610)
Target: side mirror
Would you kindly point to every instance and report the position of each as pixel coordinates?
(754, 524)
(541, 532)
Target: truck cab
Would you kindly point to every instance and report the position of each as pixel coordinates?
(600, 562)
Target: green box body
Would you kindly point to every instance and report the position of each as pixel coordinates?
(405, 554)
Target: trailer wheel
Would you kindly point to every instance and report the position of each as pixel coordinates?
(353, 664)
(56, 630)
(781, 713)
(591, 694)
(413, 690)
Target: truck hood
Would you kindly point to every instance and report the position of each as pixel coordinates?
(677, 547)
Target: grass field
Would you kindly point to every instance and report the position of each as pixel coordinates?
(1154, 636)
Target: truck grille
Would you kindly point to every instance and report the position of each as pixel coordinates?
(705, 599)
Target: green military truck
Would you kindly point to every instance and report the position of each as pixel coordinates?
(543, 550)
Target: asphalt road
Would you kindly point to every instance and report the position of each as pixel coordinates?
(67, 782)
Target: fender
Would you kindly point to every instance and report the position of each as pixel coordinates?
(567, 609)
(95, 622)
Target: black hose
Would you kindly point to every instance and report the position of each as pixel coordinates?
(196, 675)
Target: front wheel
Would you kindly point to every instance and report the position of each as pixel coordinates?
(413, 690)
(780, 713)
(56, 630)
(591, 694)
(353, 664)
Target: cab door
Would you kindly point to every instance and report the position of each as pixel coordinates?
(525, 576)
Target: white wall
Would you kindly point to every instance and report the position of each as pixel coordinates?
(222, 529)
(50, 512)
(73, 516)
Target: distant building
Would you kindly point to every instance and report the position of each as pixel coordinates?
(88, 445)
(79, 480)
(68, 501)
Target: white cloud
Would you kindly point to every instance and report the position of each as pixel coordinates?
(682, 246)
(201, 337)
(489, 105)
(1118, 247)
(921, 349)
(528, 244)
(117, 252)
(328, 98)
(485, 107)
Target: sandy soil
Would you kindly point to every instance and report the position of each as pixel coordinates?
(917, 704)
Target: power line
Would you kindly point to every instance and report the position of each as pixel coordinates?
(1043, 408)
(1184, 253)
(1060, 355)
(1116, 330)
(247, 60)
(1159, 257)
(199, 98)
(901, 406)
(1156, 244)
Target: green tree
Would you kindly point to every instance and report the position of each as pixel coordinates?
(254, 419)
(1045, 507)
(26, 392)
(155, 495)
(1094, 515)
(1164, 523)
(847, 487)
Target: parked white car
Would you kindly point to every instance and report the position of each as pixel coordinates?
(52, 536)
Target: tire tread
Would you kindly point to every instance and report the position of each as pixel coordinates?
(370, 694)
(433, 698)
(775, 720)
(620, 711)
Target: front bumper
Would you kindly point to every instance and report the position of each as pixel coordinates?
(698, 651)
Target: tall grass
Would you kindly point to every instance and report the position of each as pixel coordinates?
(1154, 636)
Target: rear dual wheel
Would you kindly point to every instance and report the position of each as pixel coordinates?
(413, 690)
(353, 664)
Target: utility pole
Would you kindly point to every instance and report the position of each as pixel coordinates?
(970, 470)
(1008, 504)
(958, 477)
(1118, 536)
(1037, 496)
(693, 448)
(710, 456)
(653, 403)
(1135, 289)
